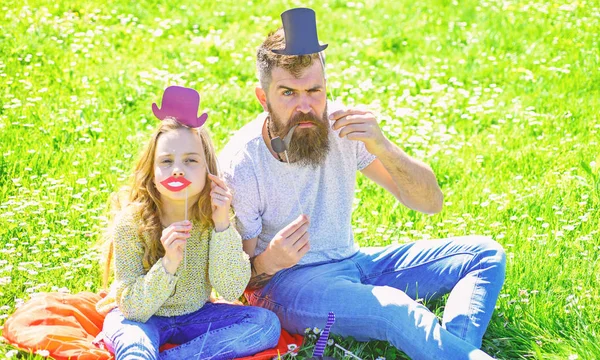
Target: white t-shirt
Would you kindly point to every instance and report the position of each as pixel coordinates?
(265, 201)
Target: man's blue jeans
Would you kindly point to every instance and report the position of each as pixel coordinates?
(235, 331)
(373, 295)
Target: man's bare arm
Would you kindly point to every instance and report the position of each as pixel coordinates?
(411, 181)
(258, 278)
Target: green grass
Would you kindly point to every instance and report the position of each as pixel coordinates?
(501, 98)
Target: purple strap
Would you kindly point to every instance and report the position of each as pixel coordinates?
(322, 342)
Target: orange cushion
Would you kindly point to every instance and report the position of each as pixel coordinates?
(63, 324)
(66, 324)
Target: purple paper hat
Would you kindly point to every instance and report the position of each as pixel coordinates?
(300, 28)
(182, 104)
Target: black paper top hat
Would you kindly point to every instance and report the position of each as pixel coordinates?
(300, 28)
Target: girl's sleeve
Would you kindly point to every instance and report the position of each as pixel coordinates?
(228, 264)
(138, 294)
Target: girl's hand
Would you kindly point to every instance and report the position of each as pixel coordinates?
(221, 202)
(173, 240)
(221, 300)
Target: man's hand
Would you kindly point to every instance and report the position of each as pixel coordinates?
(285, 250)
(290, 244)
(361, 125)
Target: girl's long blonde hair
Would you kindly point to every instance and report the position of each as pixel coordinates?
(143, 195)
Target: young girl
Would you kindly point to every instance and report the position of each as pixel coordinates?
(165, 265)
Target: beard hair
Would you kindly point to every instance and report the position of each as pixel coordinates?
(309, 146)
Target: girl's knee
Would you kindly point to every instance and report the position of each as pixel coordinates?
(269, 324)
(136, 351)
(131, 341)
(274, 328)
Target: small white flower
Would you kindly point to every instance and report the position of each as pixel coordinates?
(316, 330)
(11, 353)
(44, 353)
(212, 59)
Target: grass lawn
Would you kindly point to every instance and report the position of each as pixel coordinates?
(501, 98)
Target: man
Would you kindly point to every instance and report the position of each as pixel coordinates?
(305, 266)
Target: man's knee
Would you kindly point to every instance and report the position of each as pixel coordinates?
(490, 250)
(391, 315)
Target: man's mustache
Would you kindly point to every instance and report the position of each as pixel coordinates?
(305, 118)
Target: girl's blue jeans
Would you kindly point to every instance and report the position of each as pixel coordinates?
(374, 295)
(235, 331)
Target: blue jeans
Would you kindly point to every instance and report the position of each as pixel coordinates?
(235, 331)
(373, 293)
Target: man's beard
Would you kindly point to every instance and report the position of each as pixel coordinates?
(309, 146)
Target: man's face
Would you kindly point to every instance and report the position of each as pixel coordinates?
(300, 101)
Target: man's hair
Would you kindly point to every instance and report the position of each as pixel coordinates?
(266, 60)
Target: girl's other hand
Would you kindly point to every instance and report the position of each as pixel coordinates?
(173, 239)
(221, 198)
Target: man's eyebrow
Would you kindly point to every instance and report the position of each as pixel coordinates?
(285, 87)
(316, 87)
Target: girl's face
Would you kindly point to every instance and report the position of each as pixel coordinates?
(179, 164)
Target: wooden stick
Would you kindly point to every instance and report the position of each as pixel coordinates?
(294, 185)
(347, 352)
(185, 218)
